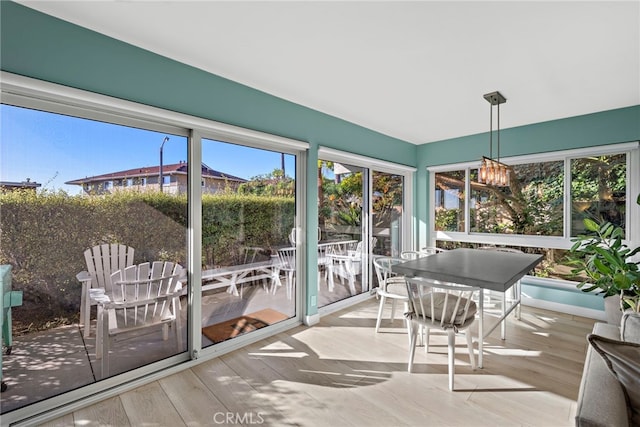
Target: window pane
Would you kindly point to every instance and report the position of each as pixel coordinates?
(530, 205)
(598, 190)
(387, 213)
(449, 201)
(342, 257)
(249, 259)
(554, 264)
(62, 194)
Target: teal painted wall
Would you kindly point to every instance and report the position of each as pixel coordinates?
(43, 47)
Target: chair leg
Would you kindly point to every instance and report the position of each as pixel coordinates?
(330, 274)
(105, 348)
(472, 359)
(425, 337)
(83, 303)
(380, 309)
(451, 351)
(177, 324)
(393, 309)
(290, 283)
(99, 332)
(352, 284)
(87, 315)
(412, 345)
(165, 332)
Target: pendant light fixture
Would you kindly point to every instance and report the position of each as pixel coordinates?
(492, 171)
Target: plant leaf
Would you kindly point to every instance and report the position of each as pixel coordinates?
(590, 224)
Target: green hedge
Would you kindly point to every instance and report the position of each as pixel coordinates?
(44, 235)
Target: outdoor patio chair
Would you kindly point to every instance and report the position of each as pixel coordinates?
(390, 286)
(142, 296)
(446, 307)
(101, 261)
(286, 263)
(347, 265)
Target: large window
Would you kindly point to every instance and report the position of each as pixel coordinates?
(598, 190)
(531, 205)
(79, 204)
(450, 201)
(543, 207)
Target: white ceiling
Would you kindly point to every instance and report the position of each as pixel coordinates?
(412, 70)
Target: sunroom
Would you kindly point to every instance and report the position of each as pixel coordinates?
(274, 206)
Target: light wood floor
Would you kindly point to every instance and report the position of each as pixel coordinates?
(341, 373)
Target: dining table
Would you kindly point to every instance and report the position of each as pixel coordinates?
(488, 270)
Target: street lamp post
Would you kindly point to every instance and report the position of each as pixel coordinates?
(166, 138)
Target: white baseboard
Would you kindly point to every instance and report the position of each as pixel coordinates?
(312, 319)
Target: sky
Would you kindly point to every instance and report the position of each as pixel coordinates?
(52, 149)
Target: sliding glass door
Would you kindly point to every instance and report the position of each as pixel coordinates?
(77, 197)
(249, 253)
(387, 207)
(343, 253)
(348, 236)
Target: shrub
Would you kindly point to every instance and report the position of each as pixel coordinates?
(43, 235)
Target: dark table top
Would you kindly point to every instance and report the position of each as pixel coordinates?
(494, 270)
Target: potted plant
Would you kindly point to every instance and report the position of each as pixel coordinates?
(605, 261)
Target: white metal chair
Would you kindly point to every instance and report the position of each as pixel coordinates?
(102, 261)
(514, 291)
(447, 307)
(389, 286)
(287, 264)
(142, 296)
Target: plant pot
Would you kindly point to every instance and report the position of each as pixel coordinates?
(612, 310)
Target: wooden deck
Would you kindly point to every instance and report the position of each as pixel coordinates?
(340, 372)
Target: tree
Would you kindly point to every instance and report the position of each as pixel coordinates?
(271, 184)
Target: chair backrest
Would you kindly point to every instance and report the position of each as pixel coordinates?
(287, 259)
(102, 260)
(142, 294)
(430, 250)
(409, 255)
(382, 266)
(443, 305)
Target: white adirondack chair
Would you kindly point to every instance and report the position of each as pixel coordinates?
(142, 296)
(102, 260)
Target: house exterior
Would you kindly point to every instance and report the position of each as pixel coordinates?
(7, 186)
(174, 180)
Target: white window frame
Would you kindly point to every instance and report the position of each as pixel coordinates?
(556, 242)
(326, 153)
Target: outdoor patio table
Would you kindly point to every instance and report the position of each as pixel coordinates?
(232, 276)
(490, 270)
